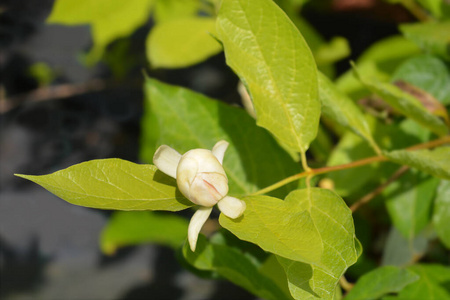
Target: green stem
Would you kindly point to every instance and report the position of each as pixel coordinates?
(355, 164)
(416, 10)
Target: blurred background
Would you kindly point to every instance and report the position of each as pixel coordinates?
(58, 110)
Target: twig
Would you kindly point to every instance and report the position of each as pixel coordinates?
(51, 93)
(347, 286)
(378, 190)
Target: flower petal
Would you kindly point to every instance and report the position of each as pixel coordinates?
(166, 160)
(196, 224)
(232, 207)
(219, 150)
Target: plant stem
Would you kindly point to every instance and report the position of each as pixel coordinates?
(416, 10)
(347, 286)
(355, 164)
(378, 190)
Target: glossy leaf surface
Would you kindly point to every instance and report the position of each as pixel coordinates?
(441, 213)
(114, 184)
(275, 64)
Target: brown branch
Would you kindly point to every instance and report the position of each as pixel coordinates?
(367, 198)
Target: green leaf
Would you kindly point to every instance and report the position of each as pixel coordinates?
(168, 10)
(381, 281)
(311, 230)
(181, 43)
(109, 19)
(432, 285)
(441, 213)
(186, 120)
(432, 37)
(404, 103)
(337, 49)
(114, 184)
(234, 266)
(275, 64)
(126, 228)
(337, 106)
(438, 8)
(428, 73)
(409, 201)
(435, 162)
(399, 251)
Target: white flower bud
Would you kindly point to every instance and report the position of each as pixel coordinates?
(202, 179)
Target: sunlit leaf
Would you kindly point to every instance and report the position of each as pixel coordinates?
(337, 106)
(109, 20)
(404, 103)
(409, 200)
(114, 184)
(435, 162)
(275, 64)
(168, 10)
(234, 266)
(126, 228)
(432, 37)
(441, 213)
(182, 42)
(312, 232)
(186, 120)
(381, 281)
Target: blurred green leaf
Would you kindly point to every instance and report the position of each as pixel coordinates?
(126, 228)
(109, 19)
(434, 38)
(409, 200)
(275, 65)
(337, 49)
(312, 232)
(381, 281)
(168, 10)
(337, 106)
(404, 103)
(181, 43)
(230, 263)
(435, 162)
(186, 120)
(114, 184)
(441, 212)
(432, 284)
(399, 251)
(428, 73)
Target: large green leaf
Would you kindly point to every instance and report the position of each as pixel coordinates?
(339, 107)
(441, 213)
(275, 64)
(109, 19)
(432, 285)
(404, 103)
(432, 37)
(409, 200)
(234, 266)
(126, 228)
(381, 281)
(181, 43)
(311, 231)
(428, 73)
(114, 184)
(435, 162)
(186, 120)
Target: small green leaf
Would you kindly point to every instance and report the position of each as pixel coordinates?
(435, 162)
(381, 281)
(275, 64)
(186, 120)
(232, 264)
(313, 226)
(337, 106)
(441, 214)
(168, 10)
(126, 228)
(404, 103)
(428, 73)
(432, 37)
(181, 43)
(432, 285)
(409, 200)
(114, 184)
(109, 20)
